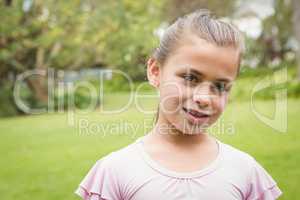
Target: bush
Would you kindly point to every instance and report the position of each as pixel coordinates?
(7, 106)
(293, 89)
(79, 99)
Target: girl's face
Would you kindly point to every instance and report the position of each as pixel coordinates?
(194, 84)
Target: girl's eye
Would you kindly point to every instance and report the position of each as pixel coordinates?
(190, 77)
(220, 87)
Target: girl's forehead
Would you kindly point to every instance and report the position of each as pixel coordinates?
(206, 57)
(201, 48)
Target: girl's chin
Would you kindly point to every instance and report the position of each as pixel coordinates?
(191, 129)
(186, 127)
(195, 131)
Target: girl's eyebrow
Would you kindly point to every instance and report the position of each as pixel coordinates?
(226, 80)
(194, 71)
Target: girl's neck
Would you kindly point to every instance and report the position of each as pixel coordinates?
(164, 132)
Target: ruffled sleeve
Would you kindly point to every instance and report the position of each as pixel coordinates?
(262, 185)
(100, 183)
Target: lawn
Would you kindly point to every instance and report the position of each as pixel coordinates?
(46, 156)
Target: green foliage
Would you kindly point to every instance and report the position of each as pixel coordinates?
(243, 87)
(132, 41)
(7, 106)
(273, 43)
(176, 8)
(74, 34)
(80, 98)
(293, 89)
(114, 34)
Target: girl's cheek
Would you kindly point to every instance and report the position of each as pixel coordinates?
(171, 98)
(223, 102)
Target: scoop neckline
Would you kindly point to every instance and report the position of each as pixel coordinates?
(212, 166)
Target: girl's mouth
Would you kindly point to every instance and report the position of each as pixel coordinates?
(196, 117)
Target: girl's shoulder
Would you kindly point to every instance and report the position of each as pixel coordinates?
(239, 161)
(259, 183)
(236, 155)
(105, 177)
(126, 154)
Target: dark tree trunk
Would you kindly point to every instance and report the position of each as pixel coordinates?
(8, 2)
(37, 84)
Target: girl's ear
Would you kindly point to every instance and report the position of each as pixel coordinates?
(153, 72)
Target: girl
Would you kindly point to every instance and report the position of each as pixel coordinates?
(193, 69)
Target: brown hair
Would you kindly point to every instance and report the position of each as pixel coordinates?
(204, 26)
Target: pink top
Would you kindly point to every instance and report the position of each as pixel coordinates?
(130, 173)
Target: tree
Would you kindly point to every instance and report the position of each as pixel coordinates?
(75, 34)
(134, 40)
(296, 28)
(276, 34)
(176, 8)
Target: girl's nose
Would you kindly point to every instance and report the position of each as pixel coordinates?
(202, 96)
(203, 100)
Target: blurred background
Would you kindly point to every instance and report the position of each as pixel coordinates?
(56, 55)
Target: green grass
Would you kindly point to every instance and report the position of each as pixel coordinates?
(42, 157)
